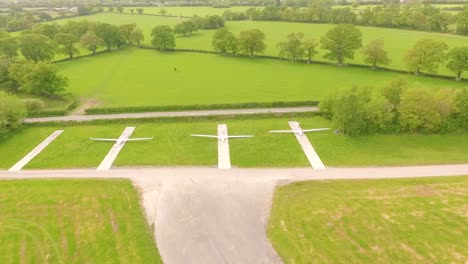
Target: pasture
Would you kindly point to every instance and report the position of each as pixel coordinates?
(136, 77)
(172, 145)
(371, 221)
(73, 221)
(397, 41)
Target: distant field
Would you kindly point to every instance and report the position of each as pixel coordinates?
(172, 146)
(371, 221)
(73, 221)
(188, 11)
(397, 41)
(136, 77)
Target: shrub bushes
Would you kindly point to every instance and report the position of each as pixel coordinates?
(394, 108)
(12, 112)
(33, 104)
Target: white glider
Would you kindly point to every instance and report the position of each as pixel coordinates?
(299, 132)
(223, 138)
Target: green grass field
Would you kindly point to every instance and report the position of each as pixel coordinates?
(172, 146)
(371, 221)
(136, 77)
(73, 221)
(397, 41)
(20, 143)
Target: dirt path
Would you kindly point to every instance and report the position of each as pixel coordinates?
(208, 215)
(88, 103)
(83, 118)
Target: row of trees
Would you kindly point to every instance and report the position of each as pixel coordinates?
(397, 109)
(162, 37)
(340, 44)
(408, 16)
(120, 9)
(196, 23)
(44, 41)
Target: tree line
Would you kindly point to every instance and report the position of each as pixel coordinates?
(341, 44)
(395, 108)
(406, 16)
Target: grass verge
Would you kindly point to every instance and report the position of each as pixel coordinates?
(73, 221)
(420, 220)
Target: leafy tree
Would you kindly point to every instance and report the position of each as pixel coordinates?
(458, 61)
(127, 32)
(374, 53)
(77, 28)
(163, 38)
(5, 80)
(310, 49)
(445, 99)
(140, 10)
(180, 29)
(110, 34)
(111, 9)
(426, 55)
(251, 41)
(418, 111)
(350, 112)
(440, 21)
(138, 36)
(190, 26)
(212, 22)
(8, 47)
(163, 11)
(12, 113)
(292, 48)
(252, 13)
(48, 30)
(327, 105)
(84, 10)
(16, 25)
(341, 42)
(37, 47)
(38, 78)
(91, 42)
(380, 116)
(224, 41)
(393, 92)
(120, 9)
(67, 42)
(185, 27)
(462, 23)
(44, 16)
